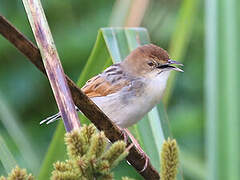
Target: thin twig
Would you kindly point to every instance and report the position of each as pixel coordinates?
(87, 107)
(52, 63)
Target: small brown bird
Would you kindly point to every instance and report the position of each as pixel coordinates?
(126, 91)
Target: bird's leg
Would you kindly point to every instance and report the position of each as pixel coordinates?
(127, 134)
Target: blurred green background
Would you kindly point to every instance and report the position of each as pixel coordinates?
(176, 25)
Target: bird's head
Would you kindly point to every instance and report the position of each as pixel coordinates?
(150, 61)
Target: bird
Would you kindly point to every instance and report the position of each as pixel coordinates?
(126, 91)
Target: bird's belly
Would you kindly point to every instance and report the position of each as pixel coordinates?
(125, 113)
(126, 107)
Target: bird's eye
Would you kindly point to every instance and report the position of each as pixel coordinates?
(150, 63)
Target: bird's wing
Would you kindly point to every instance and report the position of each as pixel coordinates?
(108, 82)
(104, 84)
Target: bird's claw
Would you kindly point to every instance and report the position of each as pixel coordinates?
(145, 156)
(127, 134)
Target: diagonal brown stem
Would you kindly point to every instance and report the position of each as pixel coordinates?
(52, 63)
(89, 109)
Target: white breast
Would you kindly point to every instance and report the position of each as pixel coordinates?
(127, 113)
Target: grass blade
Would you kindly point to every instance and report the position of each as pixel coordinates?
(180, 38)
(222, 89)
(6, 156)
(56, 151)
(192, 166)
(16, 131)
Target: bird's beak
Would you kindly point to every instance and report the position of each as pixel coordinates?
(172, 62)
(169, 65)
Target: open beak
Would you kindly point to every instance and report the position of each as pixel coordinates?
(170, 61)
(169, 65)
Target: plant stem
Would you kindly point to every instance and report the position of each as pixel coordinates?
(52, 63)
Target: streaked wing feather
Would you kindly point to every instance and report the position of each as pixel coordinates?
(104, 84)
(108, 82)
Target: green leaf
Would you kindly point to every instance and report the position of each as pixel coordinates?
(6, 156)
(17, 133)
(120, 13)
(56, 151)
(222, 89)
(192, 166)
(180, 39)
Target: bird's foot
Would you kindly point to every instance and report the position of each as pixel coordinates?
(126, 134)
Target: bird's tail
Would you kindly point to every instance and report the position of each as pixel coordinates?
(53, 118)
